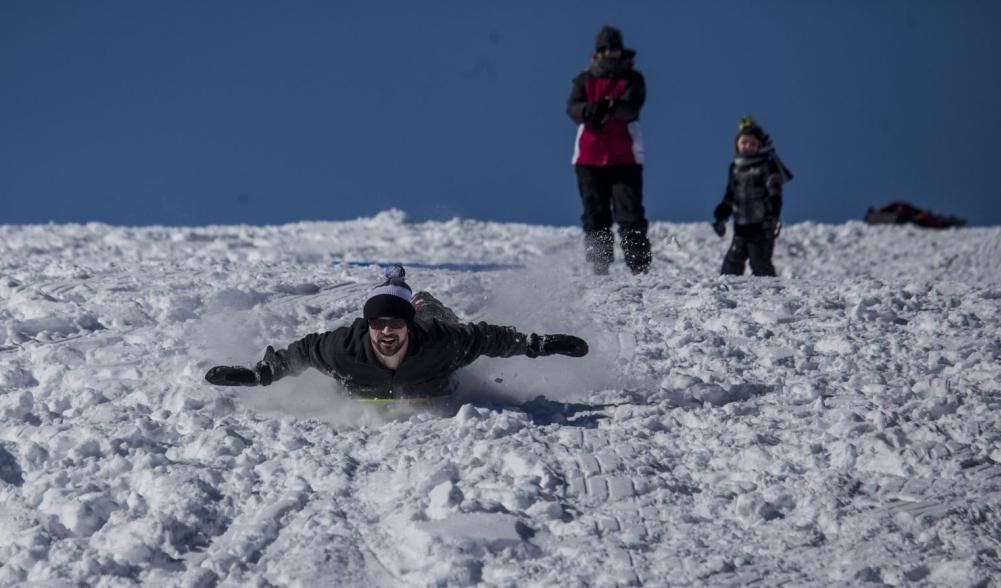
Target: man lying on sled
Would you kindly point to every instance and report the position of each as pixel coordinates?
(406, 346)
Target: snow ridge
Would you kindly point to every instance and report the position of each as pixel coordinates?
(837, 425)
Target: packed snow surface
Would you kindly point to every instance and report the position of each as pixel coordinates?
(838, 425)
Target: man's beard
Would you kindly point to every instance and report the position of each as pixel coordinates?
(389, 345)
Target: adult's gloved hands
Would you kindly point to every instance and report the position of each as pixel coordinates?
(543, 345)
(720, 227)
(596, 113)
(224, 375)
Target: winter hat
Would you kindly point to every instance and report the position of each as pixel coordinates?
(610, 37)
(748, 126)
(391, 298)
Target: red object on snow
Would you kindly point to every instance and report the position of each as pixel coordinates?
(905, 212)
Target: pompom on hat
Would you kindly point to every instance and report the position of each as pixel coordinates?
(748, 126)
(391, 298)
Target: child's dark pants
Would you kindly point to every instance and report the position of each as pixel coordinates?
(750, 242)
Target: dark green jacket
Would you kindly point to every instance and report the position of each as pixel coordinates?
(436, 350)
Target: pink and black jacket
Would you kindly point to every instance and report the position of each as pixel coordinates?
(618, 141)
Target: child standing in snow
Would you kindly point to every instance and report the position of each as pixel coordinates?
(754, 198)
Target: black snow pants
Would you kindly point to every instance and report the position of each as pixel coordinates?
(613, 192)
(750, 242)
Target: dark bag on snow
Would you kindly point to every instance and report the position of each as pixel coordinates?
(904, 212)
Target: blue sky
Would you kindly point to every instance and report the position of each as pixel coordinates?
(191, 113)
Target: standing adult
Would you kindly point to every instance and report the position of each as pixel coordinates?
(608, 155)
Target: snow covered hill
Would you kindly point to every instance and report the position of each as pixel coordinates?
(837, 425)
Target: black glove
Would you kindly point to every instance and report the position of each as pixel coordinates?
(268, 367)
(543, 345)
(224, 375)
(720, 227)
(263, 373)
(596, 113)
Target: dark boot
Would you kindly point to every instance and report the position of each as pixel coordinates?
(430, 308)
(636, 249)
(599, 250)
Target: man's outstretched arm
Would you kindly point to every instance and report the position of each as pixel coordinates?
(291, 361)
(476, 339)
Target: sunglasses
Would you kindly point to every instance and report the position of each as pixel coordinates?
(381, 323)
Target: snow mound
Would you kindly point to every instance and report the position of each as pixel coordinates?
(835, 426)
